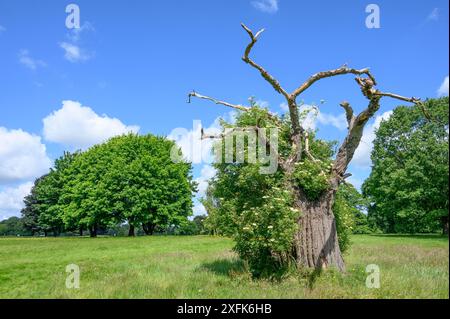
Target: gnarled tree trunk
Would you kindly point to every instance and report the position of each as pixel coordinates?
(316, 242)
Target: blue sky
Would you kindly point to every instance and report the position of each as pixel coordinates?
(133, 63)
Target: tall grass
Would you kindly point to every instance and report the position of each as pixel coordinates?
(206, 267)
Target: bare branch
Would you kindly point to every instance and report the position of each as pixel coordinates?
(348, 112)
(326, 74)
(234, 106)
(347, 175)
(204, 97)
(416, 101)
(275, 84)
(353, 138)
(398, 97)
(342, 179)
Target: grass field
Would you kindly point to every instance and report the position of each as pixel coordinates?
(205, 267)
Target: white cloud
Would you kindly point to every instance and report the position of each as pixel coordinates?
(207, 172)
(74, 53)
(199, 209)
(315, 116)
(79, 126)
(268, 6)
(31, 63)
(198, 151)
(11, 200)
(434, 15)
(339, 121)
(2, 29)
(443, 89)
(362, 154)
(193, 147)
(22, 156)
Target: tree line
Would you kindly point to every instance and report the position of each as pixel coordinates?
(128, 179)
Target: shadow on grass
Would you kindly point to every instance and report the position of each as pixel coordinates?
(225, 267)
(233, 268)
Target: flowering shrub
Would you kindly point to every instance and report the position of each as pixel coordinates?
(313, 177)
(264, 238)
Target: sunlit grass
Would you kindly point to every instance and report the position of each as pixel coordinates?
(205, 267)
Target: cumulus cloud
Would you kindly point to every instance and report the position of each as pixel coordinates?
(73, 53)
(443, 89)
(28, 61)
(268, 6)
(79, 127)
(339, 121)
(195, 149)
(22, 156)
(11, 200)
(207, 172)
(315, 116)
(362, 154)
(199, 209)
(199, 151)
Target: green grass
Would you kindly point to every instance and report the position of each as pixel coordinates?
(205, 267)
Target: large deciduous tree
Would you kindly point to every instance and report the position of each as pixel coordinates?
(129, 178)
(314, 243)
(408, 185)
(42, 211)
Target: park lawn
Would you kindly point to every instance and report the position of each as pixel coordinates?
(206, 267)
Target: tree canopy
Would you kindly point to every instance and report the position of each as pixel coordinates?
(130, 178)
(408, 185)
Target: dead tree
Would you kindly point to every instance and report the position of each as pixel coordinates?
(315, 243)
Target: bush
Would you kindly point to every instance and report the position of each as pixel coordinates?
(264, 238)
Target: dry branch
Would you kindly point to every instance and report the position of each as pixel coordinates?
(326, 74)
(204, 97)
(275, 84)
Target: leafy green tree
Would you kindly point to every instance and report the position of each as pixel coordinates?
(216, 222)
(129, 178)
(350, 219)
(199, 222)
(30, 215)
(42, 211)
(408, 186)
(12, 226)
(84, 200)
